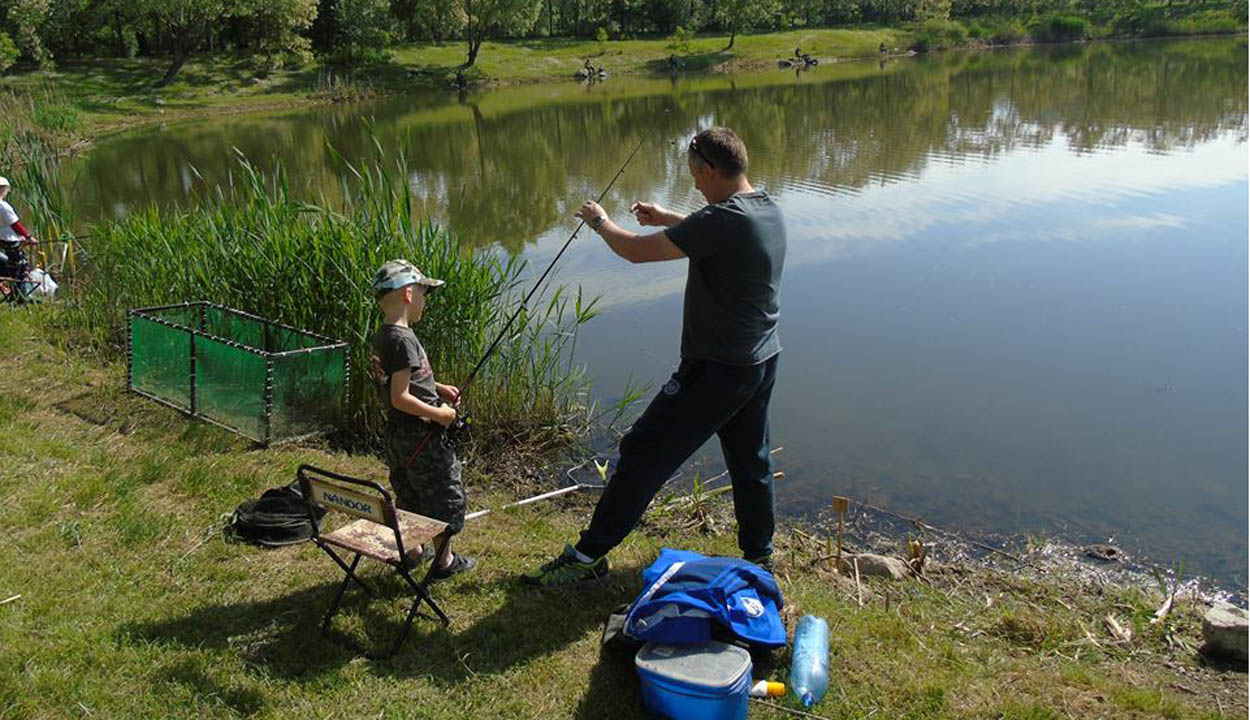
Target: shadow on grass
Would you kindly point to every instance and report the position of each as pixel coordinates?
(108, 406)
(283, 635)
(613, 691)
(98, 406)
(197, 682)
(561, 43)
(386, 76)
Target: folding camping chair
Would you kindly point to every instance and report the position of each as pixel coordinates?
(382, 532)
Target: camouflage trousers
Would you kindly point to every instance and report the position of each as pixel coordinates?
(431, 486)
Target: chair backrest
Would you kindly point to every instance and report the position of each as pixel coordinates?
(361, 498)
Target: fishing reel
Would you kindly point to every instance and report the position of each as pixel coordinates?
(460, 428)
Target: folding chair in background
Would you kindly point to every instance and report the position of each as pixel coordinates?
(381, 532)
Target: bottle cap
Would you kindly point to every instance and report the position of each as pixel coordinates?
(767, 688)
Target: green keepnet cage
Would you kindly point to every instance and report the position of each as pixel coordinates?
(262, 379)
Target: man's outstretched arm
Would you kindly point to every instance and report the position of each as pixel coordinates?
(636, 248)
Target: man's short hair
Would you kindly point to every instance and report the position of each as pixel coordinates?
(721, 148)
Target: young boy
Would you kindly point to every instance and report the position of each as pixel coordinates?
(417, 405)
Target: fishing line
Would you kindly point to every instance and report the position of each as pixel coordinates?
(520, 308)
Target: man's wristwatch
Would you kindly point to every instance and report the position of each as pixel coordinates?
(594, 224)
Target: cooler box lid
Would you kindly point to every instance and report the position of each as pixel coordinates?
(714, 665)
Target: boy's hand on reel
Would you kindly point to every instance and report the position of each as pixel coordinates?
(446, 416)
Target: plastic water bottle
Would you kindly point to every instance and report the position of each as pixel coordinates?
(809, 669)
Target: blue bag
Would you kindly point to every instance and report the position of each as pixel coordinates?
(685, 593)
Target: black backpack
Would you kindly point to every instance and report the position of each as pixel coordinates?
(279, 517)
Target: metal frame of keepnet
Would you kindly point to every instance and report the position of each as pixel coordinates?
(262, 379)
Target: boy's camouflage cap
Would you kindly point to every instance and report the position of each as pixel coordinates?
(396, 274)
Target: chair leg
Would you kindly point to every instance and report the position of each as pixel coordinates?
(423, 594)
(403, 632)
(420, 589)
(350, 571)
(338, 598)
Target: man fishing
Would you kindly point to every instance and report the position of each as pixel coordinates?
(736, 246)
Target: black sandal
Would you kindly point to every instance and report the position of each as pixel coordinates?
(459, 564)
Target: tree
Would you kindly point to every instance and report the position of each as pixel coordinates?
(739, 15)
(433, 19)
(182, 26)
(25, 18)
(485, 17)
(360, 31)
(277, 29)
(8, 52)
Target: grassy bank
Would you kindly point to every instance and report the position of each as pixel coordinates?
(132, 605)
(81, 100)
(87, 99)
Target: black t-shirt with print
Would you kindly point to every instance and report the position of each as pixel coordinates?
(736, 250)
(396, 347)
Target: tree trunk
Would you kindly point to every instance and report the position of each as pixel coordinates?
(475, 44)
(733, 33)
(121, 33)
(180, 57)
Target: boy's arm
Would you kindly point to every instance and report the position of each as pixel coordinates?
(403, 401)
(449, 393)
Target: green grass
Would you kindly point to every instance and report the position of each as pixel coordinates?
(132, 605)
(559, 58)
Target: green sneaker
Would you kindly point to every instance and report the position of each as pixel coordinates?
(565, 569)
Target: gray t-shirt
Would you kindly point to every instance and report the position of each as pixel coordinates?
(736, 250)
(396, 348)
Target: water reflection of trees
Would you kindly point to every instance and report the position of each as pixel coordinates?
(508, 176)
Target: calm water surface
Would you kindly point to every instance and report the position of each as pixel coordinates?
(1015, 297)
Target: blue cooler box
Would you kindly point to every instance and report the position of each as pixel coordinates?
(695, 682)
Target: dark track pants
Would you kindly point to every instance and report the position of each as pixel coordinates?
(700, 399)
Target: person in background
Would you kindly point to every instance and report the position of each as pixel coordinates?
(13, 235)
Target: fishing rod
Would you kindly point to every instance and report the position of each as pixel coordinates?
(64, 240)
(536, 498)
(524, 303)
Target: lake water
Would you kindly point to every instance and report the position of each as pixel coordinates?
(1016, 291)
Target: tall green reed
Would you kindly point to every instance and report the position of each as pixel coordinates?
(39, 117)
(252, 245)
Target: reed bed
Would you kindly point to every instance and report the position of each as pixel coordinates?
(37, 119)
(252, 245)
